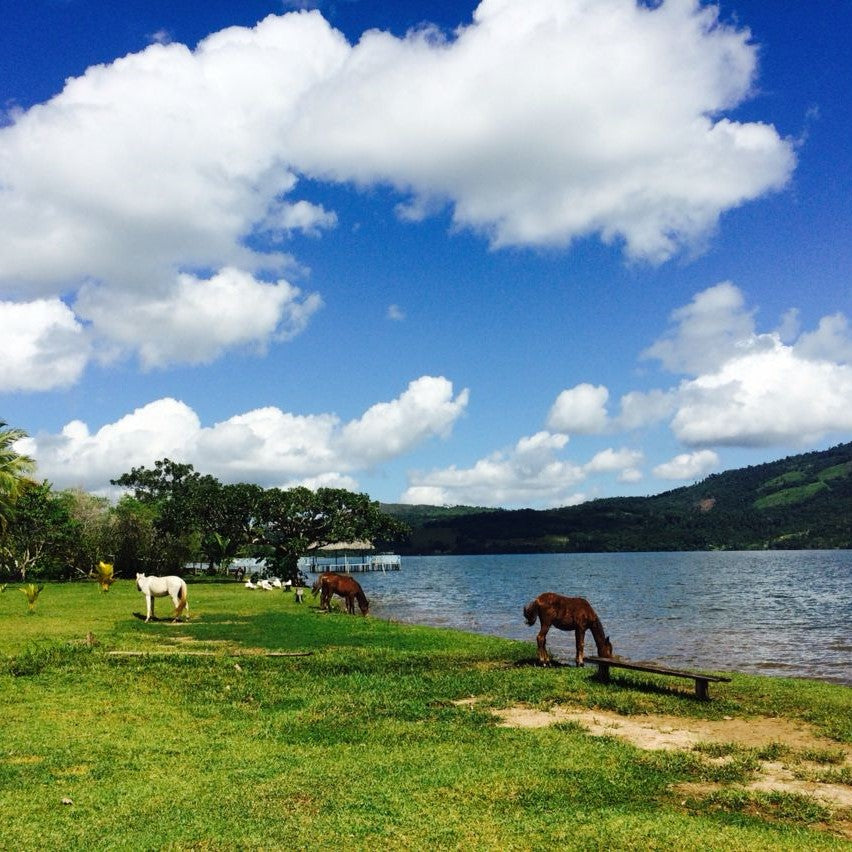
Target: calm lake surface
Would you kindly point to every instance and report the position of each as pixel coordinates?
(770, 612)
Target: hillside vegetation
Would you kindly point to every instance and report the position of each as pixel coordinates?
(799, 502)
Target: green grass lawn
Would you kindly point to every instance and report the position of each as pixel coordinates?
(208, 742)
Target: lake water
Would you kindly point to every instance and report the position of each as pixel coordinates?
(769, 612)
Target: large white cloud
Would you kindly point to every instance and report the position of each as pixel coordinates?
(539, 122)
(706, 332)
(387, 429)
(766, 397)
(830, 341)
(530, 473)
(624, 461)
(42, 345)
(688, 465)
(548, 120)
(266, 445)
(166, 158)
(162, 162)
(197, 319)
(747, 388)
(581, 410)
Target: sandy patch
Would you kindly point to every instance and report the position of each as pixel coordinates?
(775, 776)
(676, 733)
(673, 732)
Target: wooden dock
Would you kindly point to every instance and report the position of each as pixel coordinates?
(344, 564)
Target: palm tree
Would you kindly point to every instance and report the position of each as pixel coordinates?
(14, 470)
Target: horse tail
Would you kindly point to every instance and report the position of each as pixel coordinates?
(182, 600)
(531, 612)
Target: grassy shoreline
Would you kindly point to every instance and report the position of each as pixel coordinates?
(384, 735)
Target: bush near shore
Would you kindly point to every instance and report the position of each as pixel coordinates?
(377, 735)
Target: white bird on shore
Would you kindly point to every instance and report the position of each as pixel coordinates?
(266, 585)
(250, 585)
(276, 582)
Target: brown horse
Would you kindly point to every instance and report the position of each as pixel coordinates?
(347, 587)
(567, 614)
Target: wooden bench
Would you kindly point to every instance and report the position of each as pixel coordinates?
(604, 664)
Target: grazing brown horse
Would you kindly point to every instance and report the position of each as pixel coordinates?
(347, 587)
(567, 614)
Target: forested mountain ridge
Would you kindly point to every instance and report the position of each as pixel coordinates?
(802, 501)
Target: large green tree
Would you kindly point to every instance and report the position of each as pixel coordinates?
(15, 469)
(178, 496)
(227, 520)
(199, 514)
(194, 513)
(43, 538)
(297, 521)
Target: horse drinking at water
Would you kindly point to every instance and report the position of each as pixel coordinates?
(567, 614)
(347, 587)
(159, 587)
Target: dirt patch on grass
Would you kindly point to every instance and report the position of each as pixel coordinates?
(677, 733)
(23, 759)
(674, 732)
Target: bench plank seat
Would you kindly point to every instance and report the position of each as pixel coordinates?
(702, 680)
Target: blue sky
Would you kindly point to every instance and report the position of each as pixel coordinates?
(514, 253)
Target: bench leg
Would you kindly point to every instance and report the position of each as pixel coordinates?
(603, 673)
(701, 689)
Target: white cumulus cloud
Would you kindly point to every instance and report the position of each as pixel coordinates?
(706, 332)
(688, 465)
(548, 120)
(530, 473)
(640, 408)
(538, 122)
(830, 341)
(197, 319)
(42, 345)
(387, 429)
(267, 445)
(747, 388)
(623, 462)
(765, 397)
(580, 410)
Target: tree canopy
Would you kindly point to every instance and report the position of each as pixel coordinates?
(197, 513)
(15, 469)
(170, 515)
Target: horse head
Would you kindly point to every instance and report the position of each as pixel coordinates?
(139, 578)
(606, 650)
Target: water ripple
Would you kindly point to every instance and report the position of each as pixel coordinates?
(770, 612)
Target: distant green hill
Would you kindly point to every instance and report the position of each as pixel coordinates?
(799, 502)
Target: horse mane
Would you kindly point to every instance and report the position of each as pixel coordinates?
(601, 639)
(363, 603)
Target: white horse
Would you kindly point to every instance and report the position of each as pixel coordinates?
(159, 587)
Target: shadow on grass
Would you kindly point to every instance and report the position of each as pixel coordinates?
(167, 620)
(534, 662)
(647, 686)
